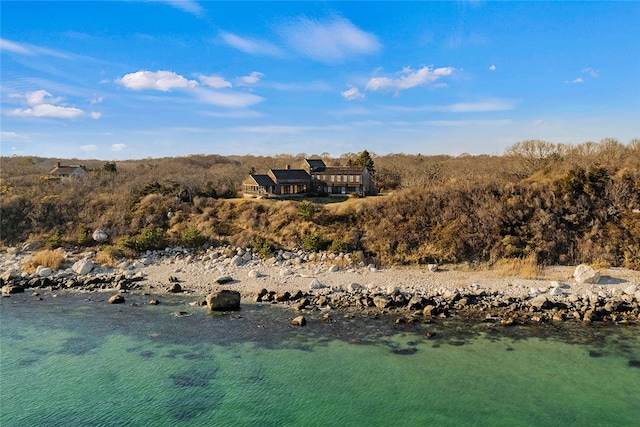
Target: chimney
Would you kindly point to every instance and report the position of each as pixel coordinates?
(57, 164)
(288, 167)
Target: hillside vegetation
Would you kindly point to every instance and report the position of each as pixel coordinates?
(541, 202)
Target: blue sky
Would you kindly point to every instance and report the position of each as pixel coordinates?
(137, 79)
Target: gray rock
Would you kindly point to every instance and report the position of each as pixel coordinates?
(30, 246)
(175, 288)
(539, 302)
(12, 289)
(100, 236)
(84, 266)
(354, 287)
(381, 301)
(11, 273)
(586, 274)
(223, 300)
(254, 274)
(224, 279)
(43, 271)
(334, 269)
(631, 290)
(116, 299)
(315, 284)
(432, 267)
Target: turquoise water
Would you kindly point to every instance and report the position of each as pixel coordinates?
(75, 360)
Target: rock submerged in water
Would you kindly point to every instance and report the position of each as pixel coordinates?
(224, 300)
(116, 299)
(299, 321)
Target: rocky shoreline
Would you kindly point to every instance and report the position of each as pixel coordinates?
(310, 282)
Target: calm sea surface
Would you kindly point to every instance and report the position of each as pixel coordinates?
(75, 360)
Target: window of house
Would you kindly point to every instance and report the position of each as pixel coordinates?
(357, 178)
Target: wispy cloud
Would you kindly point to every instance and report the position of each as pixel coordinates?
(250, 46)
(332, 40)
(493, 68)
(89, 147)
(249, 80)
(352, 94)
(483, 106)
(41, 103)
(215, 82)
(228, 99)
(408, 79)
(157, 80)
(188, 6)
(587, 72)
(13, 137)
(31, 50)
(118, 147)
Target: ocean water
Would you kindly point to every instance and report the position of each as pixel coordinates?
(75, 360)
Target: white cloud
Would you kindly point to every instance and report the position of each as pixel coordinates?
(157, 80)
(462, 107)
(352, 94)
(215, 82)
(118, 147)
(592, 73)
(251, 79)
(408, 79)
(42, 104)
(95, 115)
(493, 68)
(578, 80)
(13, 137)
(228, 99)
(97, 100)
(234, 114)
(328, 41)
(251, 46)
(89, 147)
(9, 46)
(188, 6)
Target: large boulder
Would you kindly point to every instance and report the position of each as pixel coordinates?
(224, 300)
(116, 299)
(586, 274)
(100, 236)
(84, 266)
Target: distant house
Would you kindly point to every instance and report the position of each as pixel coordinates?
(314, 178)
(61, 171)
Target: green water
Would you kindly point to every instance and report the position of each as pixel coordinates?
(78, 361)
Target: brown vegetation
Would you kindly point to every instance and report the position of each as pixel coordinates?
(538, 204)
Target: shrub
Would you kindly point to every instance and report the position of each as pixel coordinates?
(339, 245)
(314, 242)
(54, 259)
(55, 241)
(306, 211)
(262, 247)
(82, 235)
(151, 238)
(192, 238)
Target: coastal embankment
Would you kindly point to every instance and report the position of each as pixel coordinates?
(325, 282)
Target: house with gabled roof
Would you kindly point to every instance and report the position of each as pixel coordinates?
(60, 171)
(314, 178)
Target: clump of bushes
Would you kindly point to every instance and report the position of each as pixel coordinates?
(314, 242)
(262, 247)
(149, 238)
(192, 238)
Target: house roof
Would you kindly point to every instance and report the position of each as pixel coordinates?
(290, 175)
(344, 170)
(262, 180)
(67, 170)
(315, 165)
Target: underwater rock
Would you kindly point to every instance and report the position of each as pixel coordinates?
(223, 300)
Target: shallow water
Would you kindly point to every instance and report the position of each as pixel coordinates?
(75, 360)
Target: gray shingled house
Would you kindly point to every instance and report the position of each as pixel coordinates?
(314, 178)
